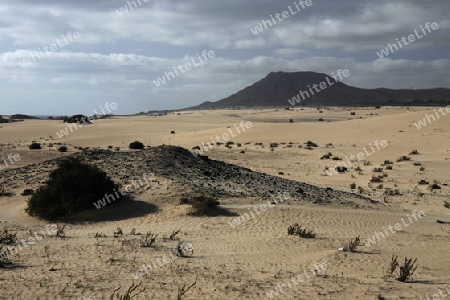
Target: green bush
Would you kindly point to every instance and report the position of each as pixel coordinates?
(74, 186)
(203, 205)
(136, 145)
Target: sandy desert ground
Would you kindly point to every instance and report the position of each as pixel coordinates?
(250, 260)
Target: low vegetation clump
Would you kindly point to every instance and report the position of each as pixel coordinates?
(79, 119)
(7, 238)
(353, 186)
(377, 170)
(403, 158)
(136, 145)
(62, 149)
(273, 145)
(414, 152)
(406, 271)
(392, 192)
(353, 244)
(74, 186)
(297, 229)
(202, 205)
(389, 167)
(327, 156)
(311, 144)
(378, 178)
(148, 240)
(35, 146)
(228, 144)
(388, 162)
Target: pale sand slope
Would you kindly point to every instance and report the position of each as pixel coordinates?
(248, 261)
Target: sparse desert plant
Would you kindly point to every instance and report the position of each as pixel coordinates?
(60, 231)
(136, 145)
(297, 229)
(378, 178)
(149, 240)
(389, 167)
(367, 163)
(329, 145)
(72, 187)
(379, 170)
(3, 191)
(321, 119)
(273, 145)
(393, 265)
(229, 144)
(353, 244)
(183, 290)
(4, 258)
(118, 232)
(100, 235)
(358, 169)
(336, 158)
(327, 156)
(174, 234)
(128, 294)
(447, 204)
(7, 238)
(414, 152)
(417, 164)
(353, 186)
(62, 149)
(403, 158)
(361, 190)
(422, 169)
(388, 162)
(311, 144)
(407, 269)
(202, 205)
(434, 186)
(172, 132)
(35, 146)
(239, 145)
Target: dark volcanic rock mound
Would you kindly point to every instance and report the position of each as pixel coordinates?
(200, 175)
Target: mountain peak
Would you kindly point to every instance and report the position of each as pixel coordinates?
(277, 88)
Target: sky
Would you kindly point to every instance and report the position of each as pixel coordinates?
(97, 51)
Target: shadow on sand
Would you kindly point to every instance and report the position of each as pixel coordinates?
(125, 209)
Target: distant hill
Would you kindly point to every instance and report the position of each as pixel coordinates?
(23, 117)
(278, 87)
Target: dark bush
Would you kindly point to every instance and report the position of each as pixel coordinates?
(62, 149)
(203, 205)
(74, 186)
(35, 146)
(136, 145)
(27, 192)
(77, 119)
(311, 144)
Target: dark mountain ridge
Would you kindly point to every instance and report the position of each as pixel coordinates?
(277, 88)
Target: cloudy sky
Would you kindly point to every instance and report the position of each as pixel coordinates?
(116, 56)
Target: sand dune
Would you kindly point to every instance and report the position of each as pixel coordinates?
(253, 258)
